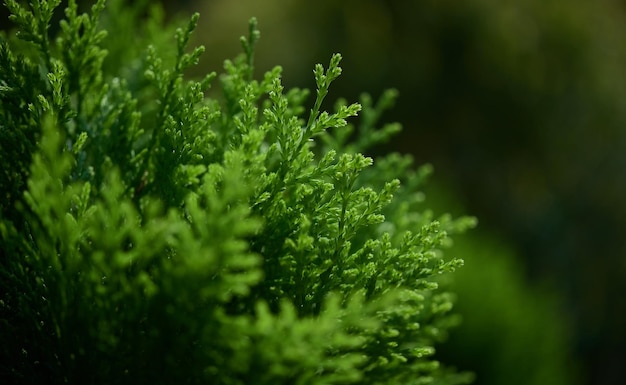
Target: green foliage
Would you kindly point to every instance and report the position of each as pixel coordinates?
(512, 332)
(152, 235)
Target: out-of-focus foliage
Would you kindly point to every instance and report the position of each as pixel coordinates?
(511, 332)
(519, 104)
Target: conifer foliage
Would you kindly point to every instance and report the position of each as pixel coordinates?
(151, 234)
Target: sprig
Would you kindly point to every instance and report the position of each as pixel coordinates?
(33, 24)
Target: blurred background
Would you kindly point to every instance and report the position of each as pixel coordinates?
(519, 105)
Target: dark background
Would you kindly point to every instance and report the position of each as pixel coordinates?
(519, 105)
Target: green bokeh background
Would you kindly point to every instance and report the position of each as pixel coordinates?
(519, 105)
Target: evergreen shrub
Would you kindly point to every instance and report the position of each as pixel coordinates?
(150, 234)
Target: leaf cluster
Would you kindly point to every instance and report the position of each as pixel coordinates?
(151, 234)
